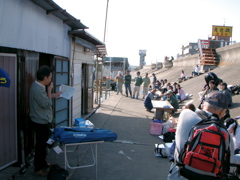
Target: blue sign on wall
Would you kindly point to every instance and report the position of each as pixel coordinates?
(4, 78)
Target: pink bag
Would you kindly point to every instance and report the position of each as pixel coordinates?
(155, 128)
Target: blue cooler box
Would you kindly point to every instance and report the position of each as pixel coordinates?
(80, 122)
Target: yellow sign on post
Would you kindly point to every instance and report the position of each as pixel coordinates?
(225, 31)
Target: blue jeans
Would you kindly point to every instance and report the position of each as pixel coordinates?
(149, 106)
(128, 88)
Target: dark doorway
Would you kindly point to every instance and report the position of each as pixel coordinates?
(60, 67)
(87, 88)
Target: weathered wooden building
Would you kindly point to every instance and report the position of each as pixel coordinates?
(35, 33)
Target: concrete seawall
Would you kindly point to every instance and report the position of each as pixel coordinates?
(228, 56)
(186, 62)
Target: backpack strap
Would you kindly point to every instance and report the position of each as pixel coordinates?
(202, 114)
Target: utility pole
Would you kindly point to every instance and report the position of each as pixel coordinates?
(105, 22)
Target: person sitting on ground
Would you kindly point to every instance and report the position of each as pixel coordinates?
(181, 95)
(164, 97)
(148, 100)
(162, 82)
(175, 90)
(183, 76)
(214, 106)
(164, 86)
(212, 81)
(227, 92)
(157, 84)
(196, 71)
(208, 87)
(235, 89)
(149, 87)
(190, 106)
(224, 90)
(172, 100)
(201, 94)
(170, 87)
(234, 129)
(212, 87)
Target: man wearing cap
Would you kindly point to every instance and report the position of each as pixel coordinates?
(172, 99)
(214, 106)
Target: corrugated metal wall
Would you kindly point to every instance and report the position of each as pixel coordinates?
(8, 110)
(30, 28)
(81, 58)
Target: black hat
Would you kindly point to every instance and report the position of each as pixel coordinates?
(211, 76)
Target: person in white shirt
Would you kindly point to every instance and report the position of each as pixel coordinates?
(234, 130)
(196, 71)
(214, 107)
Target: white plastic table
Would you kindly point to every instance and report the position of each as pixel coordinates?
(160, 107)
(77, 148)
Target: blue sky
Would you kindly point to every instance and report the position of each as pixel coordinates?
(158, 26)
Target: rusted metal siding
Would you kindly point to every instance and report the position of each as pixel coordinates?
(8, 110)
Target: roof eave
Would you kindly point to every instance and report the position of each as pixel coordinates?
(52, 8)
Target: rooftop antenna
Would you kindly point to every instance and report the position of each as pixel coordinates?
(224, 21)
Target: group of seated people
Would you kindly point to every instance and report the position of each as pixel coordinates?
(214, 86)
(167, 92)
(216, 98)
(213, 106)
(194, 73)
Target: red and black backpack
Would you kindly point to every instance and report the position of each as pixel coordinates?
(206, 154)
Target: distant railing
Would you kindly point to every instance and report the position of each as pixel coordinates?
(212, 44)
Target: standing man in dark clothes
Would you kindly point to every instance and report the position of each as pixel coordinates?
(40, 104)
(154, 80)
(127, 82)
